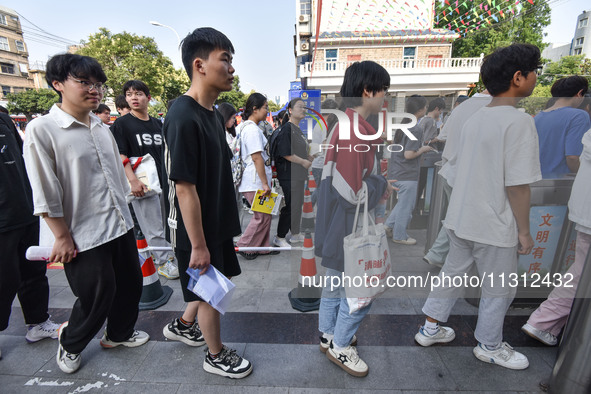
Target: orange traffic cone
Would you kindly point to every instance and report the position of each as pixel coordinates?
(308, 218)
(153, 294)
(306, 297)
(311, 182)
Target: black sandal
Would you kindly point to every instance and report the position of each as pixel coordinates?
(249, 256)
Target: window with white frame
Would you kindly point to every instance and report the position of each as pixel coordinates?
(578, 51)
(409, 54)
(583, 22)
(3, 20)
(5, 90)
(579, 41)
(20, 46)
(4, 44)
(305, 7)
(331, 56)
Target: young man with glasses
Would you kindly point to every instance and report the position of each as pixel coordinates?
(79, 188)
(138, 134)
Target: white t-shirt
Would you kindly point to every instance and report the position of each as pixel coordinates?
(318, 137)
(579, 205)
(252, 141)
(451, 133)
(498, 148)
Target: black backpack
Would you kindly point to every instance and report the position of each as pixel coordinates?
(273, 144)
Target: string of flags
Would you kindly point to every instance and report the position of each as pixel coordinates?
(465, 16)
(371, 16)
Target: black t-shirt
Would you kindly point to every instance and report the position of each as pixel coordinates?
(291, 141)
(16, 198)
(136, 137)
(196, 152)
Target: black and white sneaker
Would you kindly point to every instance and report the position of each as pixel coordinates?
(191, 336)
(228, 364)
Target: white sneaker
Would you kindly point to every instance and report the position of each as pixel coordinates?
(37, 332)
(169, 270)
(432, 262)
(543, 336)
(138, 338)
(443, 335)
(504, 356)
(349, 360)
(68, 362)
(408, 241)
(281, 242)
(297, 238)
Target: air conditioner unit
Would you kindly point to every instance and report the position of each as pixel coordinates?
(304, 18)
(304, 46)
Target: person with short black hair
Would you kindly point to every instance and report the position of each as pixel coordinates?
(81, 195)
(104, 113)
(121, 105)
(203, 216)
(488, 213)
(561, 127)
(345, 173)
(138, 134)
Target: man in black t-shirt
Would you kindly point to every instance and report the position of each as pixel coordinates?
(19, 229)
(138, 134)
(203, 215)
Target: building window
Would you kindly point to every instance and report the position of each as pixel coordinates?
(20, 46)
(4, 44)
(305, 7)
(331, 56)
(583, 22)
(18, 90)
(578, 51)
(7, 68)
(579, 41)
(409, 55)
(3, 20)
(5, 90)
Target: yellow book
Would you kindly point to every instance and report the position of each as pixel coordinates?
(266, 204)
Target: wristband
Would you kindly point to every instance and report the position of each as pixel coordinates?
(125, 162)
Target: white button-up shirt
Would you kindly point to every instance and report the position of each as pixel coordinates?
(76, 173)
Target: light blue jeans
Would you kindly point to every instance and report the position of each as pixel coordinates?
(440, 247)
(334, 317)
(402, 213)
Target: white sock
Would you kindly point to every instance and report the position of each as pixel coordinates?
(336, 348)
(327, 336)
(431, 327)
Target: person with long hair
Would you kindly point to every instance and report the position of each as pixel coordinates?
(292, 162)
(404, 168)
(345, 172)
(257, 172)
(229, 114)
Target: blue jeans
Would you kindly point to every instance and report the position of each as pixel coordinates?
(402, 213)
(334, 317)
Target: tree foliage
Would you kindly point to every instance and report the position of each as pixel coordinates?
(31, 102)
(126, 56)
(525, 27)
(566, 66)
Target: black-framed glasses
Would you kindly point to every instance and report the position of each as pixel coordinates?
(98, 86)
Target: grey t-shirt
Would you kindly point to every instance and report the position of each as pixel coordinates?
(400, 168)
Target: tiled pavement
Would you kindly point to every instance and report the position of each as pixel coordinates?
(281, 343)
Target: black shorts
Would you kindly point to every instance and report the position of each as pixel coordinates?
(223, 257)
